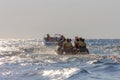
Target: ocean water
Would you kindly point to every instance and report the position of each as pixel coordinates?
(30, 59)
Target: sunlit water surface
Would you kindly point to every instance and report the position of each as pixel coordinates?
(31, 60)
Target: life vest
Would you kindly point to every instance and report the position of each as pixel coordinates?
(81, 44)
(68, 45)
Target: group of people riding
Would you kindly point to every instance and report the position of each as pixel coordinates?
(66, 45)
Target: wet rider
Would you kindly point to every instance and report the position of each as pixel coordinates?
(61, 41)
(68, 47)
(81, 44)
(48, 38)
(76, 43)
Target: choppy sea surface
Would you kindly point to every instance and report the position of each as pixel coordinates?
(30, 59)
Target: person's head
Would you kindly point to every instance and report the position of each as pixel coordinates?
(82, 39)
(48, 35)
(62, 36)
(68, 40)
(76, 38)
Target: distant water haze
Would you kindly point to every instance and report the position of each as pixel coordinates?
(34, 18)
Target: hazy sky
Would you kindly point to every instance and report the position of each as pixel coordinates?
(34, 18)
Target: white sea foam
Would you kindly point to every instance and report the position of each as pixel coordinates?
(60, 74)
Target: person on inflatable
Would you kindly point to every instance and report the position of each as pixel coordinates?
(68, 47)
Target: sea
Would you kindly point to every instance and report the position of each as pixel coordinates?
(30, 59)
